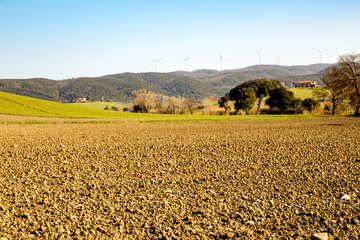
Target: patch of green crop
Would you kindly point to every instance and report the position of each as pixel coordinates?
(302, 93)
(102, 105)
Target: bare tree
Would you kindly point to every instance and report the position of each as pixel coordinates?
(343, 81)
(190, 104)
(145, 100)
(333, 80)
(349, 66)
(176, 105)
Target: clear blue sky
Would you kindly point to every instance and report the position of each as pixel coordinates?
(61, 39)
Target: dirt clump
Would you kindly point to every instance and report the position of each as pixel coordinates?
(264, 179)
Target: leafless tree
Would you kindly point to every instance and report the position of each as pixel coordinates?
(145, 100)
(349, 66)
(176, 105)
(335, 85)
(190, 104)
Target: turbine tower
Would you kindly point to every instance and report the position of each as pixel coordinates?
(187, 62)
(278, 59)
(259, 55)
(221, 62)
(320, 53)
(155, 62)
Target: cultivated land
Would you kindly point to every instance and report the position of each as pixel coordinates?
(278, 179)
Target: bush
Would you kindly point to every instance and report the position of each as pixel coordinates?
(282, 99)
(140, 108)
(310, 104)
(273, 111)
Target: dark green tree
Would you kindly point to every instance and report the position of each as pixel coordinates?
(310, 104)
(246, 100)
(262, 88)
(281, 99)
(296, 105)
(224, 103)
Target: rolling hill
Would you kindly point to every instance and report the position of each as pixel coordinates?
(118, 87)
(226, 80)
(21, 105)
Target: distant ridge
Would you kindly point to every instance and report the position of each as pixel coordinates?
(228, 79)
(118, 87)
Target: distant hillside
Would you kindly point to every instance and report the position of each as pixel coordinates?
(290, 70)
(226, 80)
(116, 87)
(198, 73)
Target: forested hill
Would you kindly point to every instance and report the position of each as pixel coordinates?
(226, 80)
(116, 87)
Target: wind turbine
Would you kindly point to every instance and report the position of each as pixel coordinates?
(221, 62)
(278, 58)
(320, 53)
(155, 62)
(187, 62)
(259, 55)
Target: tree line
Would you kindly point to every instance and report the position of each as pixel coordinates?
(341, 84)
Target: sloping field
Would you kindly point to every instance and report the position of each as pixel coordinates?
(19, 105)
(302, 92)
(279, 179)
(102, 105)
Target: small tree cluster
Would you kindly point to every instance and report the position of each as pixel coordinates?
(284, 100)
(145, 101)
(261, 87)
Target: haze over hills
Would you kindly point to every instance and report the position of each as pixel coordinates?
(118, 87)
(225, 80)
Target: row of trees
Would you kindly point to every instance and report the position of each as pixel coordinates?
(279, 98)
(341, 83)
(146, 101)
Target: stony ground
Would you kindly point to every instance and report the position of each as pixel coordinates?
(264, 179)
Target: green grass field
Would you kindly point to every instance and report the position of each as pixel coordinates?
(20, 105)
(102, 105)
(302, 92)
(12, 104)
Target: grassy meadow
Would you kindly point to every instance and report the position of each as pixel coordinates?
(302, 93)
(32, 110)
(102, 105)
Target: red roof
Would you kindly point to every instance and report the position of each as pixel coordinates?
(305, 82)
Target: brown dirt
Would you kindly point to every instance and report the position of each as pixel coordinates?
(271, 179)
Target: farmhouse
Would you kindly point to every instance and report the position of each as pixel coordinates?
(81, 100)
(305, 84)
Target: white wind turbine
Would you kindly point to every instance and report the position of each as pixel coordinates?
(259, 55)
(221, 62)
(320, 53)
(187, 62)
(155, 62)
(278, 59)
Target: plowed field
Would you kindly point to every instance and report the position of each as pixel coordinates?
(263, 179)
